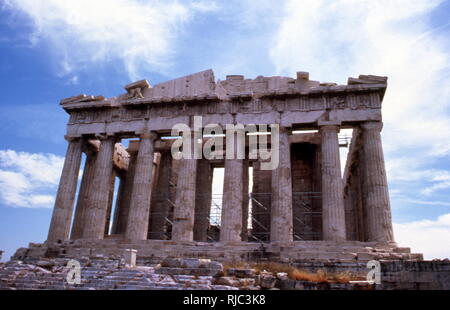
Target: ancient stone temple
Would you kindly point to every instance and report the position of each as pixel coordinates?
(308, 208)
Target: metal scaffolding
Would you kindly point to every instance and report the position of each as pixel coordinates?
(306, 207)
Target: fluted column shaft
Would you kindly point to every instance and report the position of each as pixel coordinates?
(138, 217)
(97, 208)
(281, 222)
(377, 203)
(333, 211)
(160, 204)
(184, 210)
(231, 220)
(62, 211)
(203, 200)
(183, 217)
(83, 196)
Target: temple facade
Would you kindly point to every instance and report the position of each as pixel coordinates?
(308, 207)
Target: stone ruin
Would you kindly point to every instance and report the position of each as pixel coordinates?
(301, 211)
(306, 212)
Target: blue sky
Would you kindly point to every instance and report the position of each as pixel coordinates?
(55, 49)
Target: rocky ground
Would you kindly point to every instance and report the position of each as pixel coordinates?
(180, 274)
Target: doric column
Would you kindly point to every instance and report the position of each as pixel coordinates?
(124, 199)
(203, 200)
(353, 190)
(62, 211)
(333, 211)
(97, 208)
(83, 195)
(233, 189)
(138, 217)
(281, 222)
(184, 210)
(160, 199)
(377, 203)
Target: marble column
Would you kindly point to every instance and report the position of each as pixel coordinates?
(62, 211)
(184, 210)
(233, 190)
(138, 217)
(203, 200)
(97, 208)
(83, 195)
(377, 203)
(353, 191)
(124, 200)
(333, 211)
(160, 197)
(281, 221)
(231, 220)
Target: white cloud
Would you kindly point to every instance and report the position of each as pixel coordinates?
(142, 34)
(427, 236)
(409, 171)
(29, 180)
(205, 6)
(422, 202)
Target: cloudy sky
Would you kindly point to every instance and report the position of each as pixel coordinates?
(51, 49)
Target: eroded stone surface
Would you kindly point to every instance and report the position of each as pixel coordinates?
(111, 273)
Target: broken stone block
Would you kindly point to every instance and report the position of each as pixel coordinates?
(130, 258)
(267, 281)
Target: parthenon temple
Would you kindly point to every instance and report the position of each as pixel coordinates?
(132, 193)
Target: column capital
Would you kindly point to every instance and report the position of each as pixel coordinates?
(148, 135)
(329, 125)
(372, 126)
(91, 146)
(104, 136)
(283, 129)
(71, 138)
